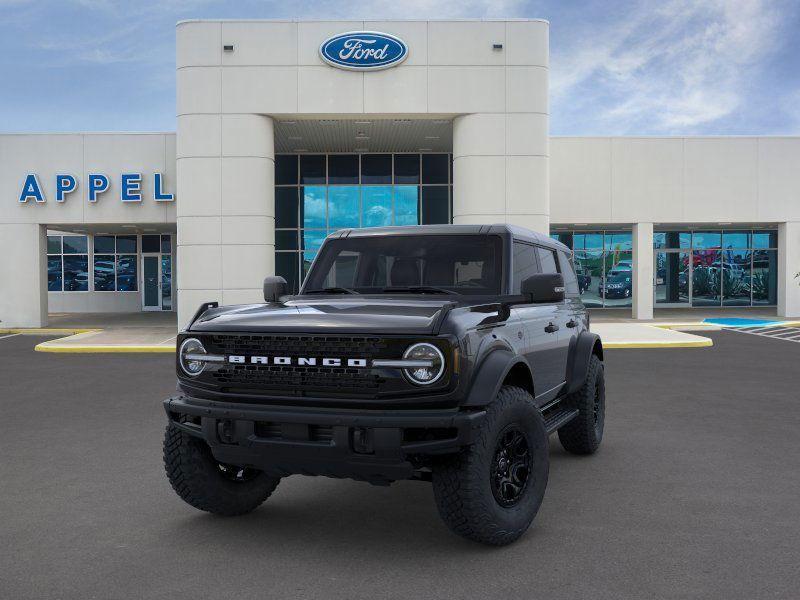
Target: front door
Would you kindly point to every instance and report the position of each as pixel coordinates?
(151, 276)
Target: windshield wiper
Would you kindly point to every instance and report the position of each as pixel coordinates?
(332, 290)
(418, 289)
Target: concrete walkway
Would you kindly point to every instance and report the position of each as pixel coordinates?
(156, 332)
(107, 332)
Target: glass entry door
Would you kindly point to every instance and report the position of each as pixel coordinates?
(151, 280)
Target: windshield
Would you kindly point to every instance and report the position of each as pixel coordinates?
(425, 264)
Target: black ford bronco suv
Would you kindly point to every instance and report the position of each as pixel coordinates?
(444, 353)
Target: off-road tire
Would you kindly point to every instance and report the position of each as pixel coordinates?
(201, 481)
(462, 483)
(584, 433)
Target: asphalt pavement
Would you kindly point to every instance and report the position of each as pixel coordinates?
(695, 493)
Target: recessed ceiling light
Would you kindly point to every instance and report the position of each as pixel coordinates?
(580, 224)
(288, 122)
(362, 136)
(149, 230)
(402, 121)
(363, 122)
(431, 137)
(728, 223)
(441, 121)
(426, 149)
(295, 137)
(329, 121)
(301, 149)
(128, 226)
(361, 149)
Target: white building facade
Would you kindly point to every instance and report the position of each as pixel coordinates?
(278, 145)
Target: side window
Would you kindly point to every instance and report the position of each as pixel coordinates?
(525, 264)
(547, 258)
(570, 279)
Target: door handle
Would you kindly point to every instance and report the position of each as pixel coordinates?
(572, 323)
(551, 328)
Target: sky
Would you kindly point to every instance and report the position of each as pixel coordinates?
(669, 67)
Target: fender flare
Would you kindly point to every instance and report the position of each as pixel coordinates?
(490, 376)
(583, 346)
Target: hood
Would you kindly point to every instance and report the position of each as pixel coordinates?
(329, 315)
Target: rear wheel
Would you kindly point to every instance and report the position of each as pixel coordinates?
(491, 491)
(584, 433)
(209, 485)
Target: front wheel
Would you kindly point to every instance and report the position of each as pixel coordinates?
(491, 491)
(209, 485)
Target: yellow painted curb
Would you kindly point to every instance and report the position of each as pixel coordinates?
(704, 343)
(46, 331)
(45, 347)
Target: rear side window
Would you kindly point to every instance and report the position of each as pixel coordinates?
(547, 260)
(525, 265)
(570, 279)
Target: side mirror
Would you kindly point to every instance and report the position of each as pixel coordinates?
(544, 288)
(274, 288)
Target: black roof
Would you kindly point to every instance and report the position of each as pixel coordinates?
(519, 233)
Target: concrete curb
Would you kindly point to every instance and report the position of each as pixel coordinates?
(100, 349)
(704, 343)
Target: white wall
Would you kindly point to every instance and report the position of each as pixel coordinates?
(227, 100)
(675, 180)
(76, 154)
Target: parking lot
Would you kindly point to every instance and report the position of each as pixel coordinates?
(694, 494)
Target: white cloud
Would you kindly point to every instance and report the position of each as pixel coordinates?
(669, 69)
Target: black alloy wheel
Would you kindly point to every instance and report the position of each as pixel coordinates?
(511, 466)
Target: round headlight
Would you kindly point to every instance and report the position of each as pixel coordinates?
(424, 352)
(191, 366)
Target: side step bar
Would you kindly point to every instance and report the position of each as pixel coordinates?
(558, 418)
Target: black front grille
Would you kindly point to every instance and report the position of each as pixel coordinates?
(295, 379)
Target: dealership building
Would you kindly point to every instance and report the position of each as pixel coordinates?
(288, 131)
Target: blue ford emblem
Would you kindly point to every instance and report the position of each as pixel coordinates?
(363, 50)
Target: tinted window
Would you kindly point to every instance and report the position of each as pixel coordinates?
(435, 205)
(75, 244)
(150, 243)
(104, 244)
(434, 168)
(406, 168)
(570, 279)
(312, 168)
(54, 244)
(286, 169)
(126, 244)
(376, 168)
(466, 264)
(525, 265)
(547, 260)
(286, 207)
(343, 168)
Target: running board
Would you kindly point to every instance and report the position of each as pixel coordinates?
(558, 418)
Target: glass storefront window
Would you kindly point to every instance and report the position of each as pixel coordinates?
(406, 205)
(67, 263)
(618, 241)
(589, 267)
(343, 206)
(406, 168)
(104, 272)
(126, 274)
(706, 277)
(343, 168)
(736, 239)
(312, 169)
(76, 273)
(313, 207)
(736, 277)
(672, 239)
(672, 278)
(376, 208)
(54, 274)
(318, 194)
(286, 169)
(765, 239)
(765, 277)
(707, 239)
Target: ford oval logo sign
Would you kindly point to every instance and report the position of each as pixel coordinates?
(363, 50)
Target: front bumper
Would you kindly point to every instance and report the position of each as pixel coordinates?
(373, 445)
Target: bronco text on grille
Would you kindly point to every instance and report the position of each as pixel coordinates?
(282, 363)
